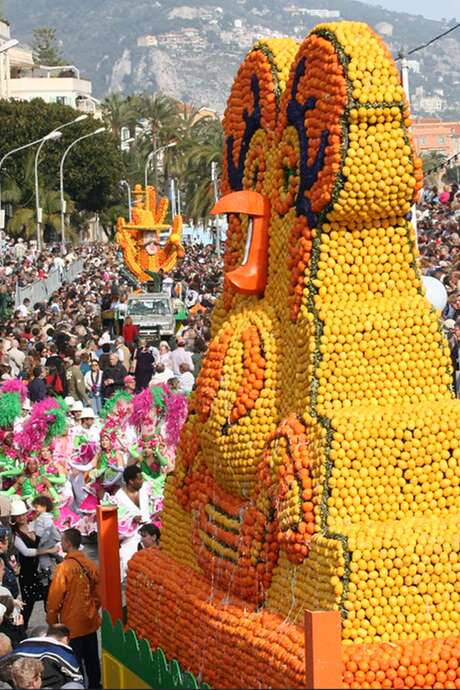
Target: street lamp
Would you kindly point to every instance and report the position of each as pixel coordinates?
(8, 44)
(2, 160)
(61, 179)
(215, 187)
(152, 155)
(124, 183)
(53, 135)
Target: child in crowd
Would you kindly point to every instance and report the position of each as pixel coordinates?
(45, 528)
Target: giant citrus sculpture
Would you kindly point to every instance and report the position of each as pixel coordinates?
(319, 466)
(140, 241)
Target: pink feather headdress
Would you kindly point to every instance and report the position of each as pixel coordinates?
(36, 427)
(15, 386)
(143, 409)
(176, 414)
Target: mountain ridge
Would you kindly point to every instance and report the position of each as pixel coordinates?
(163, 45)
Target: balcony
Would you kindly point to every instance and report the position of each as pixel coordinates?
(65, 90)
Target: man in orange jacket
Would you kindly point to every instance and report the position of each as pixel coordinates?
(73, 600)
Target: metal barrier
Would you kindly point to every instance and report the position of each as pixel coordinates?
(41, 290)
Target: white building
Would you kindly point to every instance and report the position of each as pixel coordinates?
(148, 41)
(22, 80)
(431, 104)
(11, 60)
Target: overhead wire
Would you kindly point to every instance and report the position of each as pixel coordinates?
(429, 43)
(444, 164)
(402, 55)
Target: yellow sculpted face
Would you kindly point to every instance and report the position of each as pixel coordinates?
(143, 251)
(319, 463)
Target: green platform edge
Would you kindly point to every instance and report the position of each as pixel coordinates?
(151, 667)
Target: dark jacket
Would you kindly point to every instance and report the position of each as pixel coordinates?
(37, 390)
(16, 633)
(9, 579)
(117, 373)
(59, 662)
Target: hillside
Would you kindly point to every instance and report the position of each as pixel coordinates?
(192, 50)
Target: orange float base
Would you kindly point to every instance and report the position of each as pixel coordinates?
(227, 643)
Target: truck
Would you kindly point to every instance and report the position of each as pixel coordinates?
(153, 313)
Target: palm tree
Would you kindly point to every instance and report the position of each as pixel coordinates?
(119, 111)
(204, 146)
(162, 115)
(23, 221)
(22, 197)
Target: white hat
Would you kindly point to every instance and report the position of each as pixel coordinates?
(69, 401)
(4, 592)
(88, 413)
(449, 323)
(2, 611)
(26, 405)
(77, 406)
(18, 507)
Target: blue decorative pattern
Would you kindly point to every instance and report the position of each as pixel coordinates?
(308, 174)
(252, 122)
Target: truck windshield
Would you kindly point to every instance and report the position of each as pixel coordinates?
(144, 307)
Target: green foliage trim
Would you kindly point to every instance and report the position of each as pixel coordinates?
(151, 667)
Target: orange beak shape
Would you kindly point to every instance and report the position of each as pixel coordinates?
(251, 277)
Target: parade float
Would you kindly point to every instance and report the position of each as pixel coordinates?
(140, 239)
(318, 469)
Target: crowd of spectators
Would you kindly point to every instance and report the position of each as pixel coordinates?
(80, 343)
(438, 236)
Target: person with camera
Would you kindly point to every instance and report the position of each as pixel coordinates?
(93, 383)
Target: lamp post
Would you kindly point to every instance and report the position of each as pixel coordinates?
(173, 196)
(152, 155)
(125, 183)
(406, 87)
(215, 187)
(53, 135)
(49, 137)
(61, 179)
(2, 160)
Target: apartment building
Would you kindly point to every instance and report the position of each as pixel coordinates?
(21, 79)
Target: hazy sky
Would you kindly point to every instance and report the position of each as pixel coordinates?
(433, 9)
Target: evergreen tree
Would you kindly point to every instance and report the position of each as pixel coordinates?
(45, 47)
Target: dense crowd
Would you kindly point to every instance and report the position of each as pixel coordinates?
(438, 233)
(90, 414)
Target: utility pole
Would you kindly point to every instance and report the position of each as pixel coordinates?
(173, 197)
(406, 87)
(214, 180)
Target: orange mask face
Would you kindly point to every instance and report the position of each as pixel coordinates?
(250, 278)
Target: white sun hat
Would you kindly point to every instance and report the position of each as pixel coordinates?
(18, 507)
(88, 413)
(77, 406)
